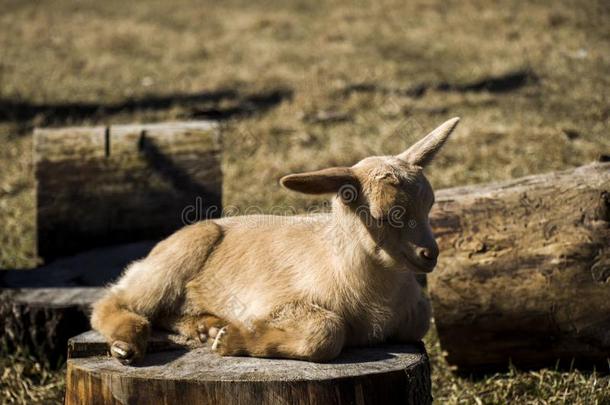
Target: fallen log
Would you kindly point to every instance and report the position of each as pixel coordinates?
(41, 320)
(100, 186)
(41, 309)
(392, 374)
(524, 271)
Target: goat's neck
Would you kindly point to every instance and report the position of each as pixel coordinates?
(358, 277)
(353, 248)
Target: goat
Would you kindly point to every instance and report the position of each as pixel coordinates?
(301, 289)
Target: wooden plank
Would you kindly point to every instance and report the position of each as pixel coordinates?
(391, 374)
(103, 186)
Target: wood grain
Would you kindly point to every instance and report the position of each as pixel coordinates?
(99, 186)
(386, 374)
(42, 308)
(43, 319)
(524, 271)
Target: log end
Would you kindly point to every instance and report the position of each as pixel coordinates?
(384, 374)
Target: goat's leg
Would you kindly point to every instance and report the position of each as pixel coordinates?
(125, 331)
(296, 331)
(199, 327)
(415, 323)
(153, 285)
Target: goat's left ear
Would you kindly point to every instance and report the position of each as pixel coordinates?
(422, 153)
(320, 181)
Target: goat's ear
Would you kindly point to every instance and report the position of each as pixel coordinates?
(320, 181)
(422, 153)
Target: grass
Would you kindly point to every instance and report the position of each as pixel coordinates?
(24, 380)
(354, 79)
(544, 386)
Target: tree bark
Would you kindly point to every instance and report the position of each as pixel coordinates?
(43, 319)
(42, 308)
(383, 375)
(524, 271)
(98, 186)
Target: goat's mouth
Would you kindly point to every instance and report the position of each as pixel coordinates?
(419, 266)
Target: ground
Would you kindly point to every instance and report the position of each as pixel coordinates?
(303, 85)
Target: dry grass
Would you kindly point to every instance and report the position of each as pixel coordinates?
(365, 78)
(546, 386)
(24, 380)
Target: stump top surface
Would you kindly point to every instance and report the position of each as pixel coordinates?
(201, 364)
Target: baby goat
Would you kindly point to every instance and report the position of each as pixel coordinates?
(300, 287)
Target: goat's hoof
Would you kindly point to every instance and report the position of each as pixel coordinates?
(205, 332)
(218, 335)
(202, 333)
(123, 352)
(229, 341)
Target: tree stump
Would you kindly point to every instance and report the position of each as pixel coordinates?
(42, 308)
(99, 186)
(43, 319)
(524, 271)
(397, 374)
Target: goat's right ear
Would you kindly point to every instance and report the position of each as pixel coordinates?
(423, 151)
(320, 181)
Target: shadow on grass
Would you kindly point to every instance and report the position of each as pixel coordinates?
(510, 81)
(503, 83)
(213, 105)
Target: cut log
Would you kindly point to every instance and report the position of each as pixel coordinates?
(93, 268)
(524, 271)
(382, 375)
(43, 319)
(109, 185)
(42, 308)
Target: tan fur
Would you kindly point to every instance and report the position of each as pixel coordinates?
(297, 287)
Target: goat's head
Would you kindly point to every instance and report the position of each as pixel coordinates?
(391, 196)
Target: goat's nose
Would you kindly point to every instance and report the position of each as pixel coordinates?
(429, 254)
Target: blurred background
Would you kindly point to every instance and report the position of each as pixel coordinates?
(304, 85)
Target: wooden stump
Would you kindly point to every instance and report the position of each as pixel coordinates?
(98, 186)
(42, 308)
(524, 271)
(382, 375)
(43, 319)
